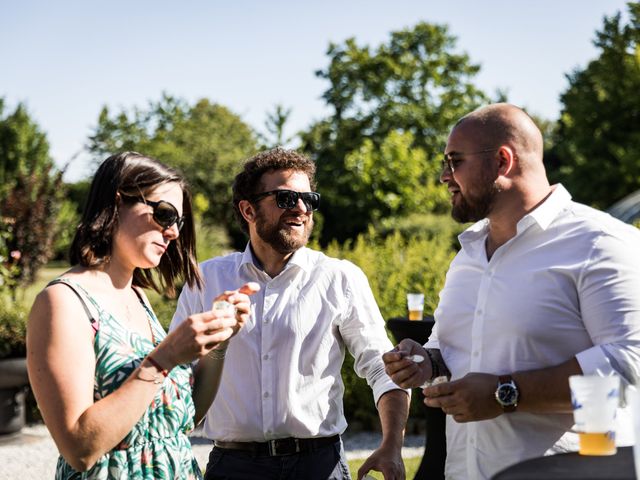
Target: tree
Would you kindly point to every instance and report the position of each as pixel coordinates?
(597, 146)
(414, 84)
(389, 179)
(275, 126)
(30, 198)
(206, 141)
(24, 149)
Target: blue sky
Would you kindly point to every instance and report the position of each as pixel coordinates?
(67, 59)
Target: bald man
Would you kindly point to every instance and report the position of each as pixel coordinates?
(542, 288)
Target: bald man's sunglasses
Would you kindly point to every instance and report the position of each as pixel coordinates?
(288, 199)
(451, 160)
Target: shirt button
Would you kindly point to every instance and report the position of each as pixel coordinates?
(475, 354)
(266, 320)
(265, 356)
(265, 394)
(479, 311)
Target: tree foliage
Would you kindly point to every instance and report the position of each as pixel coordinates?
(598, 139)
(389, 179)
(30, 198)
(24, 149)
(206, 141)
(414, 87)
(274, 125)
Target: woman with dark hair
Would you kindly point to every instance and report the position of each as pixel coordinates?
(117, 394)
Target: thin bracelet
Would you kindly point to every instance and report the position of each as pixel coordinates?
(163, 371)
(156, 379)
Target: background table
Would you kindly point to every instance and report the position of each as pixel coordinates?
(574, 466)
(435, 450)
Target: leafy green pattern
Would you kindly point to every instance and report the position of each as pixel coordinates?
(157, 447)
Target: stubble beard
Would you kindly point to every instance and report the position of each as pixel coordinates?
(280, 237)
(476, 206)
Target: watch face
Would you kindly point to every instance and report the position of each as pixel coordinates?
(507, 394)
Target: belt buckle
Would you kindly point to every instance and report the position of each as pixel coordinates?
(274, 451)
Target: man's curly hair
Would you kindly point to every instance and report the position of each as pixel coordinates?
(248, 183)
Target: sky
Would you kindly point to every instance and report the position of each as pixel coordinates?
(65, 60)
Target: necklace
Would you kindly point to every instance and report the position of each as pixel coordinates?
(129, 315)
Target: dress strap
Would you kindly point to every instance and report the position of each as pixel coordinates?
(84, 296)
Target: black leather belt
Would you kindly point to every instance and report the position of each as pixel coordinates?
(280, 446)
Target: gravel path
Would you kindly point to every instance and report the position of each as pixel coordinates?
(32, 455)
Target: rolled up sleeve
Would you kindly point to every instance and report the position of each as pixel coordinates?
(364, 334)
(609, 293)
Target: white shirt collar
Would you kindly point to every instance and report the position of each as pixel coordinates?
(301, 258)
(543, 215)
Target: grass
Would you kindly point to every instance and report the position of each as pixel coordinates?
(410, 465)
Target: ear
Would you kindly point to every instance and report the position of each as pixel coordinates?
(247, 210)
(506, 159)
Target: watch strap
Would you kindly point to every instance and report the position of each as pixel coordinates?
(504, 379)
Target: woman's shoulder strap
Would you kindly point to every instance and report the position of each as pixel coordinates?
(84, 296)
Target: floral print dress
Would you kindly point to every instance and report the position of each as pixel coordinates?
(157, 447)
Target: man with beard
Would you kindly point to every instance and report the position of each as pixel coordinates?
(278, 412)
(542, 288)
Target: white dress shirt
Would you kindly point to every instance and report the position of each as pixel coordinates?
(281, 376)
(568, 284)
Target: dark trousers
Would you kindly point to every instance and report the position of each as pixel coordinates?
(326, 463)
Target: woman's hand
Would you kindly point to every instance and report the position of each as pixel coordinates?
(202, 332)
(240, 300)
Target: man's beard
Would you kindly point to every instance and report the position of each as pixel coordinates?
(279, 236)
(476, 206)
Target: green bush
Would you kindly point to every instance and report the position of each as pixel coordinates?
(396, 265)
(13, 329)
(423, 225)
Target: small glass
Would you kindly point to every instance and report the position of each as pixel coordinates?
(415, 305)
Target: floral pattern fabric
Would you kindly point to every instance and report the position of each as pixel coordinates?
(157, 447)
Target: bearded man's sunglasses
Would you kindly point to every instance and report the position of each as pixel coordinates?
(164, 213)
(288, 199)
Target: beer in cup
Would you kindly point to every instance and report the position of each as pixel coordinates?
(415, 304)
(595, 401)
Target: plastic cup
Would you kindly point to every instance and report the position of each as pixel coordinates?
(415, 304)
(595, 400)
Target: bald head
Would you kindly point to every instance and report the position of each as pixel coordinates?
(506, 124)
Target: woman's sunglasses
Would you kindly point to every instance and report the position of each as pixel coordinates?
(288, 199)
(164, 213)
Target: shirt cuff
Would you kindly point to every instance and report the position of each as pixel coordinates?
(383, 386)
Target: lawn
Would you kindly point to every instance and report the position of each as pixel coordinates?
(410, 465)
(27, 295)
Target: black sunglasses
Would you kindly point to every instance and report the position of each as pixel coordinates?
(288, 199)
(164, 213)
